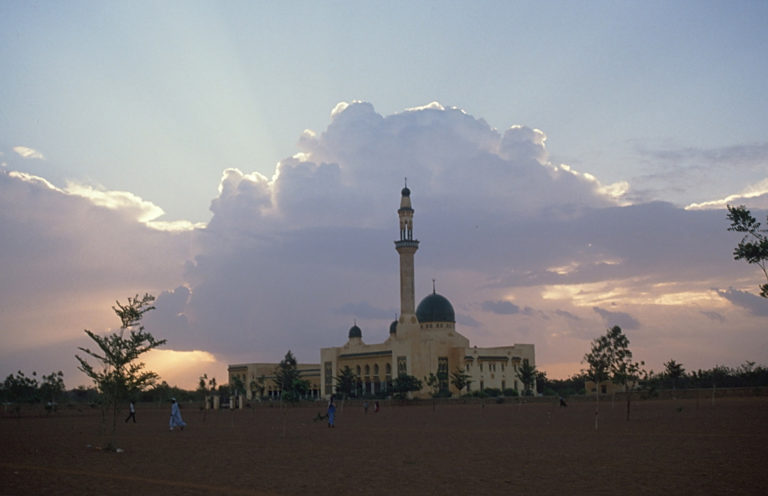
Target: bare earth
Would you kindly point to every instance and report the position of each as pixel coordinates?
(669, 447)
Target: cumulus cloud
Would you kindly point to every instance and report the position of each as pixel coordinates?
(526, 250)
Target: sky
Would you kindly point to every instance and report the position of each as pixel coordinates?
(569, 162)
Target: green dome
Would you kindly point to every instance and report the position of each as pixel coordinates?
(355, 332)
(435, 308)
(393, 327)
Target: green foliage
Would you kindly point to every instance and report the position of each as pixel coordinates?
(119, 373)
(258, 387)
(404, 384)
(492, 392)
(237, 386)
(611, 359)
(527, 375)
(753, 247)
(511, 393)
(20, 388)
(460, 379)
(346, 382)
(673, 371)
(438, 383)
(52, 387)
(288, 379)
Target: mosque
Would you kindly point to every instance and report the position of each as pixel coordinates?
(421, 341)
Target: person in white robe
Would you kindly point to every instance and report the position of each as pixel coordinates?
(176, 419)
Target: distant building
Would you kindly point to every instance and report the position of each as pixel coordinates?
(421, 341)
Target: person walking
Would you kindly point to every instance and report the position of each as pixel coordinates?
(176, 416)
(331, 413)
(131, 412)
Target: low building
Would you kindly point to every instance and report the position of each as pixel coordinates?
(258, 379)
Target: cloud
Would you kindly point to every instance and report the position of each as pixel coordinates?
(501, 307)
(66, 259)
(754, 304)
(621, 319)
(713, 316)
(26, 152)
(290, 260)
(753, 197)
(697, 175)
(363, 309)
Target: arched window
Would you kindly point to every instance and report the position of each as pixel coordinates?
(389, 369)
(376, 369)
(367, 370)
(358, 371)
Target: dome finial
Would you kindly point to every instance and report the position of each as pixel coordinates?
(433, 287)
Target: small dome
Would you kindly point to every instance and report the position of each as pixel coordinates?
(393, 327)
(435, 308)
(406, 191)
(355, 332)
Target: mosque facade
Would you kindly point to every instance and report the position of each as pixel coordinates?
(422, 341)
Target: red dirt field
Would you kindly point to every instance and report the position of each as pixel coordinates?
(668, 447)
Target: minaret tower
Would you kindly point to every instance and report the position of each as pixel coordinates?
(406, 246)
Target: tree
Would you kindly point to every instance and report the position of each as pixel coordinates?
(542, 382)
(52, 387)
(258, 386)
(404, 384)
(346, 382)
(527, 375)
(753, 247)
(288, 379)
(460, 379)
(673, 371)
(20, 388)
(119, 372)
(238, 387)
(438, 383)
(611, 359)
(599, 360)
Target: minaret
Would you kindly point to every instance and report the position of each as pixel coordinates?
(406, 246)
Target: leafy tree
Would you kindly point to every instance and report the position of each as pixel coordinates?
(527, 375)
(673, 371)
(460, 379)
(288, 379)
(20, 388)
(258, 386)
(119, 373)
(753, 247)
(599, 361)
(238, 387)
(438, 383)
(404, 384)
(346, 382)
(611, 359)
(433, 383)
(53, 386)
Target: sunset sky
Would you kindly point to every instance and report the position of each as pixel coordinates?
(569, 163)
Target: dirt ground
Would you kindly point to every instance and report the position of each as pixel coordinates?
(670, 446)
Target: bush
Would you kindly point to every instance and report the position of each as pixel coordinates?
(442, 394)
(492, 392)
(511, 392)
